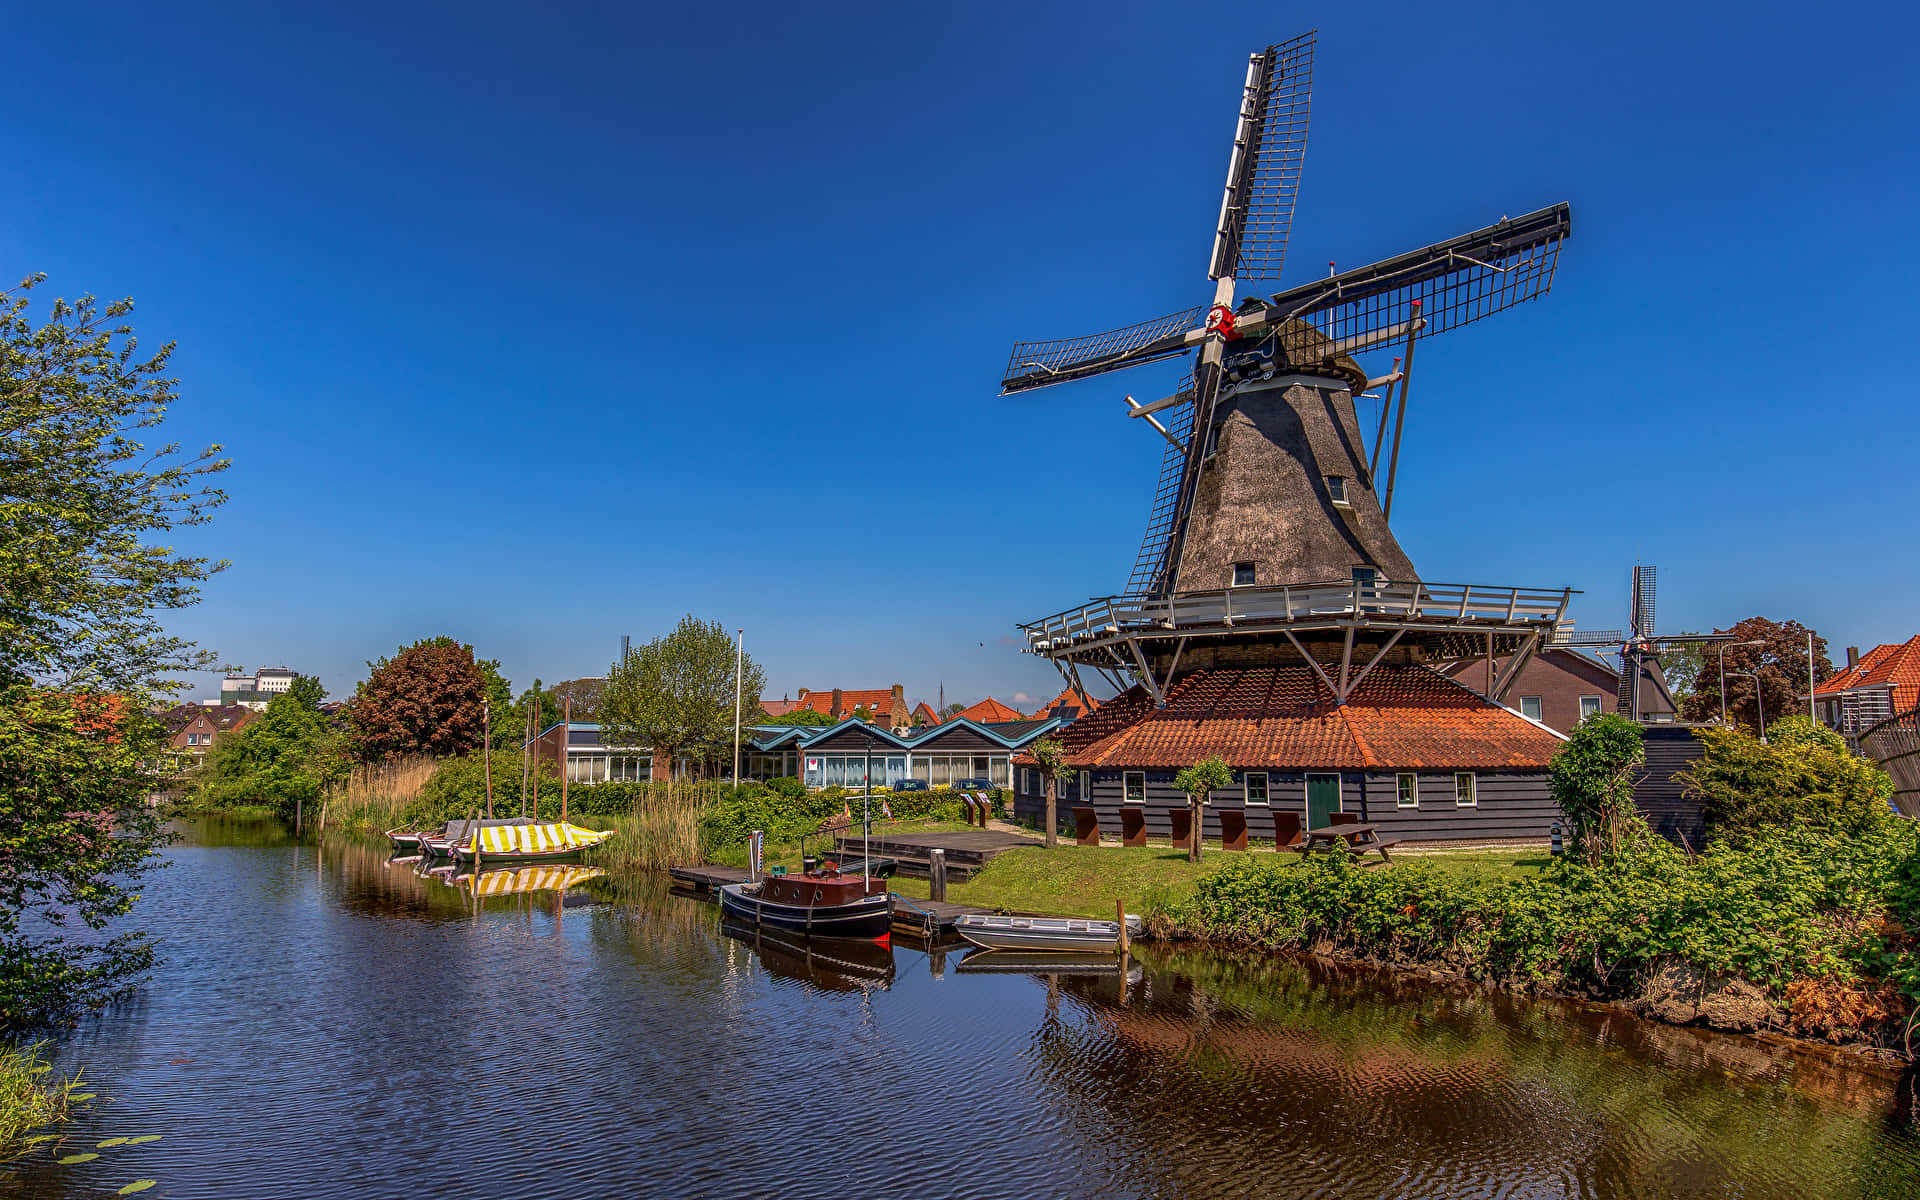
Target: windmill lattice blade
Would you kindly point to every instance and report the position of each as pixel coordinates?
(1254, 243)
(1590, 637)
(1457, 282)
(1150, 566)
(1644, 579)
(1038, 364)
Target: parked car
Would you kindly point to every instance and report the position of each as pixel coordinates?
(910, 785)
(973, 785)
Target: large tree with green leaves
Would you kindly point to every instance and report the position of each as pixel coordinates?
(1592, 782)
(86, 501)
(1051, 757)
(675, 694)
(284, 759)
(799, 716)
(429, 698)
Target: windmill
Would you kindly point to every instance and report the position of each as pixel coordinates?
(1265, 478)
(1644, 694)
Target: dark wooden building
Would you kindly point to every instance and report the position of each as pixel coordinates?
(1559, 687)
(1411, 751)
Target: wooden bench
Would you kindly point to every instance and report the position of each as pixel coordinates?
(1233, 829)
(1086, 826)
(1181, 819)
(1133, 826)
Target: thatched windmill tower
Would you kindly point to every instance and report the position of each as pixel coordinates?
(1268, 545)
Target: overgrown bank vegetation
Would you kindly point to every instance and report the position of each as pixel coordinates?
(1795, 916)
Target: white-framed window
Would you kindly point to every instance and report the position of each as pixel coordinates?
(1589, 705)
(1530, 707)
(1337, 488)
(1256, 785)
(1465, 795)
(1406, 790)
(1136, 787)
(1243, 574)
(1086, 787)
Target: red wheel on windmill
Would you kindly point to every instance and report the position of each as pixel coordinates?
(1220, 321)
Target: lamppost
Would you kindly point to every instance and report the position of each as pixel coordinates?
(1759, 700)
(1723, 673)
(739, 656)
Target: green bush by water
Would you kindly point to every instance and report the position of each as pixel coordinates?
(31, 1096)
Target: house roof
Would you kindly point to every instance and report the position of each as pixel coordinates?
(923, 714)
(1285, 717)
(1068, 705)
(1012, 735)
(221, 716)
(878, 700)
(778, 708)
(1892, 664)
(988, 711)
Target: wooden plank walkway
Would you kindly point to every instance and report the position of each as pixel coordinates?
(967, 850)
(929, 918)
(707, 878)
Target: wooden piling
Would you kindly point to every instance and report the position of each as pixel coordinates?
(566, 736)
(1120, 909)
(936, 874)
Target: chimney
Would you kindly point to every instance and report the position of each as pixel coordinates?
(839, 698)
(1853, 657)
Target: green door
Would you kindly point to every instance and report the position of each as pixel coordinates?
(1323, 800)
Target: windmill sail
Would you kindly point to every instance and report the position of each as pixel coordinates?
(1264, 177)
(1455, 283)
(1040, 364)
(1151, 565)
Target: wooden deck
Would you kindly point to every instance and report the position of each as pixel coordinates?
(929, 919)
(707, 878)
(967, 850)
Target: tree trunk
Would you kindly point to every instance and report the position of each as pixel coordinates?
(1193, 837)
(1053, 817)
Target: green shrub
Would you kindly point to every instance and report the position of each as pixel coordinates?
(1593, 777)
(1803, 776)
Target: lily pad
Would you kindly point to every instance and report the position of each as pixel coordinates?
(77, 1158)
(138, 1185)
(143, 1138)
(119, 1141)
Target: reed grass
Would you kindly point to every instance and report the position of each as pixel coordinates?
(377, 796)
(31, 1096)
(660, 829)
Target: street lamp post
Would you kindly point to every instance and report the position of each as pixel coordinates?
(1723, 673)
(1759, 700)
(739, 656)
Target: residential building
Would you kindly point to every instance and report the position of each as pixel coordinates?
(256, 689)
(1870, 689)
(887, 707)
(1559, 686)
(1412, 751)
(1069, 705)
(587, 759)
(193, 730)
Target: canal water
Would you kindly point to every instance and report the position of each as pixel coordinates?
(328, 1024)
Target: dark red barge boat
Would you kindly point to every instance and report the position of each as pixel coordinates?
(822, 902)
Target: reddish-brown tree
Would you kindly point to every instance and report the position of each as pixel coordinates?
(427, 699)
(1781, 663)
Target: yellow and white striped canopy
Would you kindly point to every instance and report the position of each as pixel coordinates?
(512, 881)
(551, 838)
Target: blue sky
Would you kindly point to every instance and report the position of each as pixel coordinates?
(541, 325)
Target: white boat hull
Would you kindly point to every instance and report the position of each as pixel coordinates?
(1057, 934)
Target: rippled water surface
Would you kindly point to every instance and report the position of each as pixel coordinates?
(328, 1024)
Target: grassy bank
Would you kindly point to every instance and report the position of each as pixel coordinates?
(31, 1096)
(1798, 929)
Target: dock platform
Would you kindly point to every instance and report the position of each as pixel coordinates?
(929, 919)
(707, 878)
(967, 850)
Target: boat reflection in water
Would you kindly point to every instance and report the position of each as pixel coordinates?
(828, 964)
(515, 881)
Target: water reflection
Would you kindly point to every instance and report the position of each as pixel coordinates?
(329, 1021)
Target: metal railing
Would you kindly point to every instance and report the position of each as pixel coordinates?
(1337, 602)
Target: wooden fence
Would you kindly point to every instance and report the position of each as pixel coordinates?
(1895, 744)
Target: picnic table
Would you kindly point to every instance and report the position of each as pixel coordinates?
(1359, 838)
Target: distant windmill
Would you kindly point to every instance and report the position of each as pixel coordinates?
(1643, 694)
(1266, 478)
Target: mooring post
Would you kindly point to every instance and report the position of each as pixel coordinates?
(936, 874)
(1120, 909)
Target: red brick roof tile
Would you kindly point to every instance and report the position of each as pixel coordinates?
(1893, 663)
(1284, 717)
(991, 710)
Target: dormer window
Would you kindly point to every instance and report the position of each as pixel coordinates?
(1243, 574)
(1337, 489)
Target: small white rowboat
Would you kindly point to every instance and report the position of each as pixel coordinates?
(1068, 934)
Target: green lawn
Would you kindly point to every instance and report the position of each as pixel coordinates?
(1087, 881)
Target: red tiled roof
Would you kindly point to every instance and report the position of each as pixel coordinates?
(1284, 717)
(1070, 699)
(780, 708)
(923, 714)
(879, 701)
(990, 710)
(1893, 663)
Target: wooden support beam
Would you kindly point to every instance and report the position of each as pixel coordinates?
(1146, 676)
(1317, 668)
(1346, 664)
(1178, 650)
(1518, 663)
(1374, 661)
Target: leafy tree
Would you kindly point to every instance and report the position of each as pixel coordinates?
(1593, 778)
(84, 501)
(862, 713)
(1051, 757)
(308, 692)
(952, 710)
(503, 728)
(1682, 665)
(1780, 660)
(1803, 776)
(427, 699)
(585, 694)
(1199, 782)
(799, 716)
(285, 758)
(675, 694)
